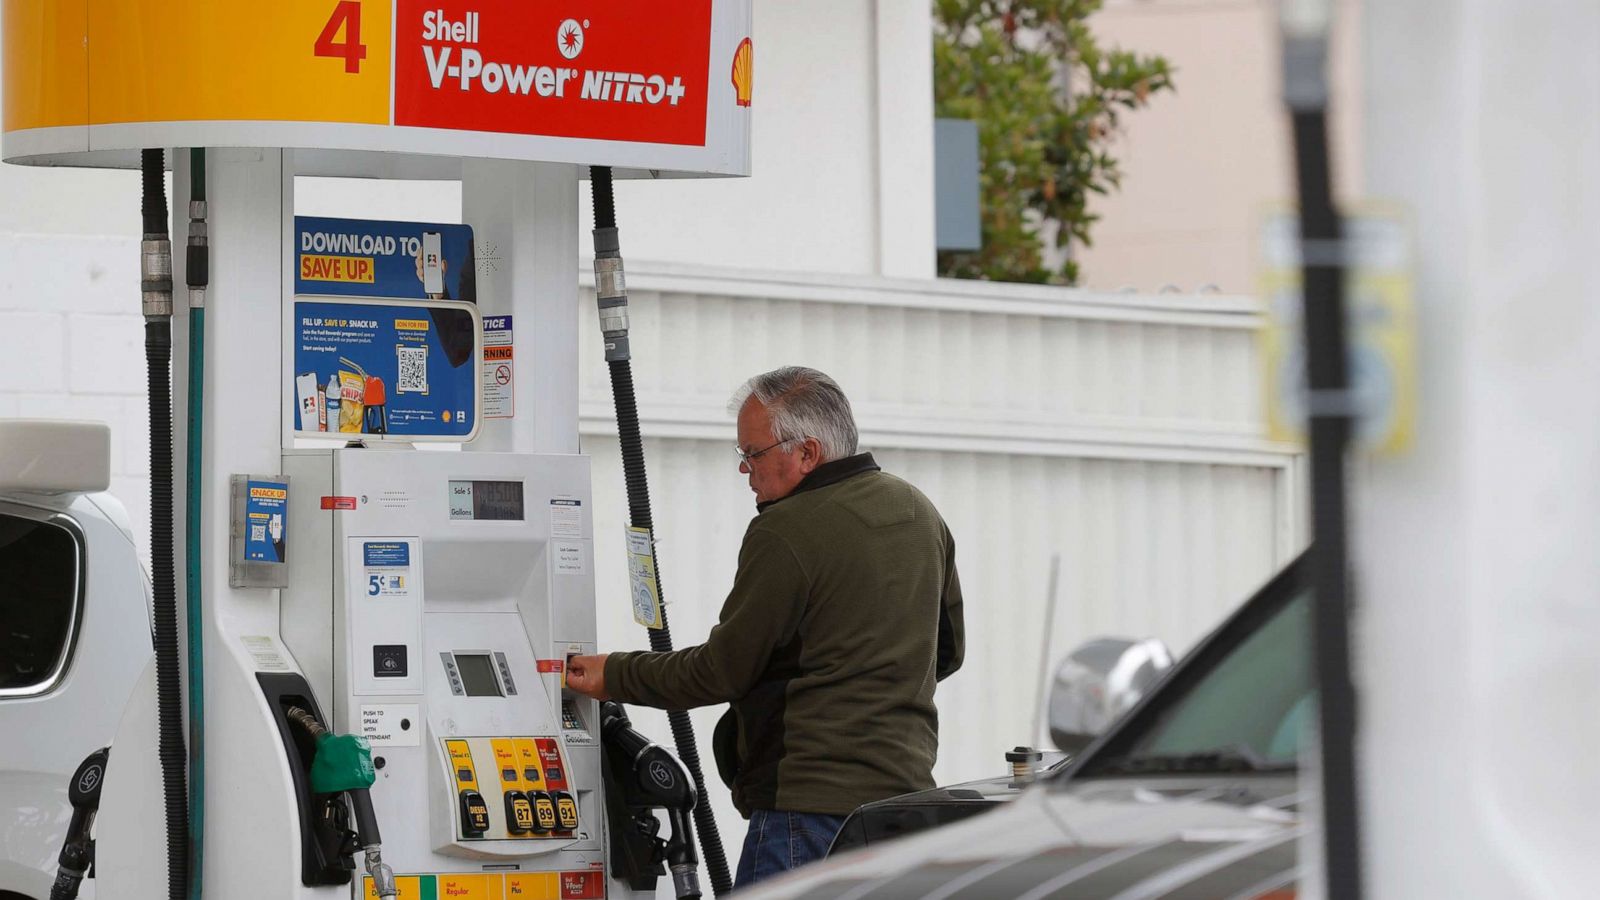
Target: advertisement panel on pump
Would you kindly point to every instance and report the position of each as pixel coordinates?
(384, 347)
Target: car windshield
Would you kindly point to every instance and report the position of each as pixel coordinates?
(1246, 711)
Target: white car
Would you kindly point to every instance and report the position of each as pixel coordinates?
(74, 633)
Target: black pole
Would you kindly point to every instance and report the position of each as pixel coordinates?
(1331, 411)
(612, 296)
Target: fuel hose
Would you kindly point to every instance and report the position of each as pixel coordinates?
(197, 267)
(611, 294)
(156, 289)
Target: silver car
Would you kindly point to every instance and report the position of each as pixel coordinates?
(1193, 794)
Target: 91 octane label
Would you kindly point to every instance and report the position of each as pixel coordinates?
(630, 70)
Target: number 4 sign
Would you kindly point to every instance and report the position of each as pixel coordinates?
(346, 16)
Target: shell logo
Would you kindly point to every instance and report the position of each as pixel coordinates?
(569, 38)
(743, 71)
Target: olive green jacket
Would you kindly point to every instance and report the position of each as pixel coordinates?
(845, 611)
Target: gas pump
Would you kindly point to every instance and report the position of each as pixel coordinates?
(381, 631)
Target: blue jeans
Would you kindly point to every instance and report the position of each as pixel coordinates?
(780, 841)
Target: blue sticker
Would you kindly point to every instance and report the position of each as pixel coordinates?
(386, 553)
(266, 516)
(407, 370)
(370, 258)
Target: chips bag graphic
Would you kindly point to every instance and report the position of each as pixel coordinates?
(352, 397)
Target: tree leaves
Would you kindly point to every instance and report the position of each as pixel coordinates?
(1047, 99)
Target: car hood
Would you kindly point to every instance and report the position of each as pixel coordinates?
(1197, 836)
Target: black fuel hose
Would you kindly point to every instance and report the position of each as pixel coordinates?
(608, 247)
(156, 280)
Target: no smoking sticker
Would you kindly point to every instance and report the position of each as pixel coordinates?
(499, 372)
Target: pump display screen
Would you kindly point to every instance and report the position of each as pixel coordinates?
(477, 675)
(486, 500)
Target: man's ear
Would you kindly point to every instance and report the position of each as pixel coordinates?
(810, 455)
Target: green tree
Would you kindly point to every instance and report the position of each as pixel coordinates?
(1048, 100)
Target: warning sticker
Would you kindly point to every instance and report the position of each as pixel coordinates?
(264, 650)
(499, 383)
(566, 518)
(642, 578)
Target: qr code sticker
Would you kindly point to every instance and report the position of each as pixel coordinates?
(258, 533)
(413, 376)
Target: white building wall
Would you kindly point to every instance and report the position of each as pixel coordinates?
(1204, 164)
(842, 144)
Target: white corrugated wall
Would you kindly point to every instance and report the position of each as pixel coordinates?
(1122, 433)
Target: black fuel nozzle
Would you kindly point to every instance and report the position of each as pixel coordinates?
(77, 851)
(652, 778)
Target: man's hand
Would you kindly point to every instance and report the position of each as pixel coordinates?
(587, 675)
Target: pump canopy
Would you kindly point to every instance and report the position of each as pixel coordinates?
(400, 88)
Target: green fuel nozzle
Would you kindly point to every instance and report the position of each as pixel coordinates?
(343, 764)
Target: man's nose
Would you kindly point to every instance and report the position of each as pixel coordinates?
(744, 467)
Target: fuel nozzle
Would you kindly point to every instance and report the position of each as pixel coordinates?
(343, 764)
(652, 778)
(77, 851)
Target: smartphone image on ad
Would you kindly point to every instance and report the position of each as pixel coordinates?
(432, 264)
(310, 410)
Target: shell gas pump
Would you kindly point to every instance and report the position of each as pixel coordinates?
(360, 693)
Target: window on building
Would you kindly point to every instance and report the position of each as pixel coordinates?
(38, 600)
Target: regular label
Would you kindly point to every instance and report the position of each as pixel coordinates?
(392, 725)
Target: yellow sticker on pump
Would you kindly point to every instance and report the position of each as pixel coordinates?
(505, 761)
(466, 775)
(410, 887)
(532, 773)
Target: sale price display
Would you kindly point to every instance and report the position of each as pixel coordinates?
(634, 71)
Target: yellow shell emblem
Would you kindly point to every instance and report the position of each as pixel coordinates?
(743, 74)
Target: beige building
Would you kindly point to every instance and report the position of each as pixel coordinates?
(1204, 164)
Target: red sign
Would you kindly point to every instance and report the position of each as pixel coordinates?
(338, 502)
(625, 70)
(555, 777)
(547, 666)
(583, 885)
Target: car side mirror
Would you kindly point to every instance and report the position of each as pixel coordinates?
(1098, 682)
(49, 456)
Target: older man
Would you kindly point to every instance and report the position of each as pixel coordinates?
(845, 611)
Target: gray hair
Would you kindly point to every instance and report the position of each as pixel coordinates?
(803, 403)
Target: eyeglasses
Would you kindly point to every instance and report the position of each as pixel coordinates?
(747, 457)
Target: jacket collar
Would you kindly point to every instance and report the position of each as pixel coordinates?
(828, 473)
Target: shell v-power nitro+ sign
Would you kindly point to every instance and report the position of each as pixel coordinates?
(518, 79)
